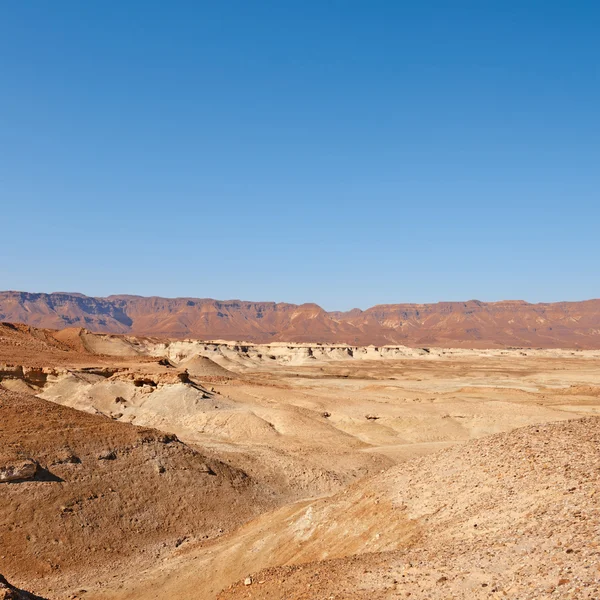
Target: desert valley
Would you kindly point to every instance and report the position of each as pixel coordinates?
(140, 465)
(299, 300)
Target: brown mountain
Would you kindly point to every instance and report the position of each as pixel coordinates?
(467, 324)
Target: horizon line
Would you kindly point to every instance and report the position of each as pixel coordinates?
(472, 300)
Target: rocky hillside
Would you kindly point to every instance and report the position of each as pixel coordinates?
(466, 324)
(75, 485)
(515, 515)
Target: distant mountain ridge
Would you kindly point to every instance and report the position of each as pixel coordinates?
(461, 324)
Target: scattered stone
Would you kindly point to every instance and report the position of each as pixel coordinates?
(9, 592)
(180, 541)
(66, 457)
(248, 581)
(18, 471)
(107, 455)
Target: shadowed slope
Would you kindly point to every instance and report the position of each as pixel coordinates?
(10, 592)
(118, 494)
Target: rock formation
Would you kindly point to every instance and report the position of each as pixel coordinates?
(465, 324)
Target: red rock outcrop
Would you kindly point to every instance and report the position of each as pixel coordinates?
(466, 324)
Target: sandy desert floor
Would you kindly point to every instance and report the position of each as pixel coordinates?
(330, 473)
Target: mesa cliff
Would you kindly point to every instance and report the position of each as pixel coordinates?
(461, 324)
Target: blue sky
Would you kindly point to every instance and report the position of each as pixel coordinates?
(340, 152)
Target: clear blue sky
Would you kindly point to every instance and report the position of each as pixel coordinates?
(340, 152)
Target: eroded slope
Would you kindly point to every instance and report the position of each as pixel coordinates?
(514, 515)
(104, 497)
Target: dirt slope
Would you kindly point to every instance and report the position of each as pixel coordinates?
(78, 485)
(467, 324)
(26, 345)
(10, 592)
(202, 366)
(514, 515)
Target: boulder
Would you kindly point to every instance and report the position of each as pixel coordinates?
(19, 470)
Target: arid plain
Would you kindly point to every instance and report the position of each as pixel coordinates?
(150, 468)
